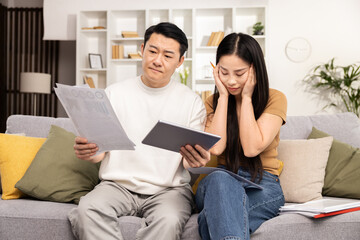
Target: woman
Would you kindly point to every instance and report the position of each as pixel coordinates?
(248, 116)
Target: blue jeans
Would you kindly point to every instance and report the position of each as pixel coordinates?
(231, 209)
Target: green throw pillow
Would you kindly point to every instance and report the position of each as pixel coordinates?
(56, 174)
(342, 177)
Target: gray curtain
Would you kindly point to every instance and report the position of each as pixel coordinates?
(23, 50)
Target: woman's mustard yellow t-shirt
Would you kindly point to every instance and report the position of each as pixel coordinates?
(277, 105)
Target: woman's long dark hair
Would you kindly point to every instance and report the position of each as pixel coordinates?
(248, 49)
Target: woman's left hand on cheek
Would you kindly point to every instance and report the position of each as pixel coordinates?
(250, 83)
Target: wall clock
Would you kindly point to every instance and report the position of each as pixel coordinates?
(298, 49)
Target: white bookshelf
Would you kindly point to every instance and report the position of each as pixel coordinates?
(197, 23)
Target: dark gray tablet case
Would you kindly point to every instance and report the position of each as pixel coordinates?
(172, 137)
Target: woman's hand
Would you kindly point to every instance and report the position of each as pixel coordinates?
(219, 84)
(250, 83)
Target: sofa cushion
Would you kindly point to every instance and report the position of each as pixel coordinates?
(56, 174)
(303, 174)
(33, 219)
(296, 226)
(129, 225)
(16, 154)
(342, 177)
(344, 127)
(36, 126)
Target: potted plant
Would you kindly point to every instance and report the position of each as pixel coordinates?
(257, 29)
(340, 84)
(184, 73)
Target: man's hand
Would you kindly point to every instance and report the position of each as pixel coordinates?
(86, 151)
(197, 157)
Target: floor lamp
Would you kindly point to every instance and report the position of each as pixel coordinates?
(35, 83)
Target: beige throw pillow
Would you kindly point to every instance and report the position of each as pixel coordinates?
(302, 178)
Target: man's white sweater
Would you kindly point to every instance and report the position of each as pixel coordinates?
(148, 170)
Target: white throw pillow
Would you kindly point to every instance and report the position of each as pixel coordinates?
(302, 178)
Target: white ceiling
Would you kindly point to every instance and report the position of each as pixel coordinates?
(22, 3)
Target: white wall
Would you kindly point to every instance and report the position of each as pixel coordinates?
(331, 27)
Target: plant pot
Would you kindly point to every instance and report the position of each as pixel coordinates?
(258, 33)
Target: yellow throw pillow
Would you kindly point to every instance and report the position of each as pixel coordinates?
(16, 155)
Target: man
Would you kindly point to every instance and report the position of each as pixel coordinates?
(149, 182)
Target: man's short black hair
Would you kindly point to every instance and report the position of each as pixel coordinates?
(169, 30)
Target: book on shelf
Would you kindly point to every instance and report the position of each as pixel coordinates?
(113, 48)
(134, 55)
(219, 38)
(99, 27)
(92, 28)
(323, 208)
(211, 38)
(89, 81)
(129, 34)
(117, 51)
(215, 38)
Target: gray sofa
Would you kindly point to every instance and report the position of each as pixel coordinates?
(34, 219)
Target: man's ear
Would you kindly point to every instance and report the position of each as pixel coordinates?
(142, 49)
(180, 61)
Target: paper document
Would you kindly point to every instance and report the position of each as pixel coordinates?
(208, 170)
(323, 207)
(322, 215)
(93, 117)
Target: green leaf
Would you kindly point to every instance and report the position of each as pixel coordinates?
(337, 81)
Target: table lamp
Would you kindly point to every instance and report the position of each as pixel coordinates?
(35, 83)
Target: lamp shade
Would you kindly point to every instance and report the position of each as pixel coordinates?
(35, 82)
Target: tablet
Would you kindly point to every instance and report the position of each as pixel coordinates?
(172, 137)
(208, 170)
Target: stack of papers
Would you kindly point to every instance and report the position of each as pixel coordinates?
(323, 207)
(93, 117)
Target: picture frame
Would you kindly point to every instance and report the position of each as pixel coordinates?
(95, 61)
